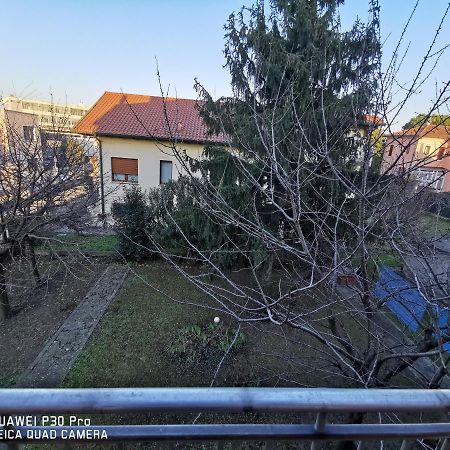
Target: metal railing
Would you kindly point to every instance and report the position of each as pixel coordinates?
(17, 403)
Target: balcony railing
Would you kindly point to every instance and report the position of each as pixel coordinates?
(323, 403)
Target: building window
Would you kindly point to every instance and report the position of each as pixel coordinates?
(426, 150)
(28, 133)
(124, 169)
(391, 149)
(165, 171)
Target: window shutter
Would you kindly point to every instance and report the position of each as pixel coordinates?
(124, 165)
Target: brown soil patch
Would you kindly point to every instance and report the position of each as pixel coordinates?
(40, 311)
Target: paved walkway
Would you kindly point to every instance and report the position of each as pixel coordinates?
(443, 245)
(394, 337)
(62, 349)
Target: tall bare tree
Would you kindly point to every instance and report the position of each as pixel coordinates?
(311, 105)
(46, 178)
(300, 205)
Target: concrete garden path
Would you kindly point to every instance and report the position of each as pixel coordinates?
(62, 349)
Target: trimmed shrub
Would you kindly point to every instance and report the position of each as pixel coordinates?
(130, 218)
(172, 217)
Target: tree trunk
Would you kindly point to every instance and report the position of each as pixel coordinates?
(30, 253)
(5, 308)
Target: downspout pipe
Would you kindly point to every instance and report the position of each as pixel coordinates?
(102, 186)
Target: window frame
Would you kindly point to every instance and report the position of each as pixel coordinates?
(126, 176)
(30, 130)
(161, 162)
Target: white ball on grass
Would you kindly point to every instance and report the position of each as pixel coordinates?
(216, 319)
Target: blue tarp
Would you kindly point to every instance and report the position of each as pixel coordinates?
(406, 302)
(401, 298)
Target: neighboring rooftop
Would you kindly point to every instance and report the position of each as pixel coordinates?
(428, 130)
(372, 120)
(146, 117)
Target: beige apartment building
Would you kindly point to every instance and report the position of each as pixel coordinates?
(21, 132)
(17, 128)
(51, 116)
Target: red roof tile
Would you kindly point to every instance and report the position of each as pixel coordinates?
(371, 119)
(430, 131)
(146, 117)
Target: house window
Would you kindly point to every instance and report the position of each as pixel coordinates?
(124, 169)
(165, 171)
(426, 150)
(391, 149)
(28, 133)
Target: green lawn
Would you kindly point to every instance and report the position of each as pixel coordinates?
(432, 224)
(385, 258)
(88, 243)
(389, 260)
(130, 347)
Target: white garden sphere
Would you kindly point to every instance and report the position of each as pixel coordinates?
(216, 319)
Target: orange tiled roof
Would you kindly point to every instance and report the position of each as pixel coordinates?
(373, 119)
(431, 131)
(146, 117)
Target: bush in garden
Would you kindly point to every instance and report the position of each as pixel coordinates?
(173, 217)
(130, 216)
(205, 345)
(172, 212)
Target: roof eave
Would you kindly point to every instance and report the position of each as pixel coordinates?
(155, 138)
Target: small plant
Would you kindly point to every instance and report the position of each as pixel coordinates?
(205, 344)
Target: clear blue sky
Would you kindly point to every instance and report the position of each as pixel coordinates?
(77, 49)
